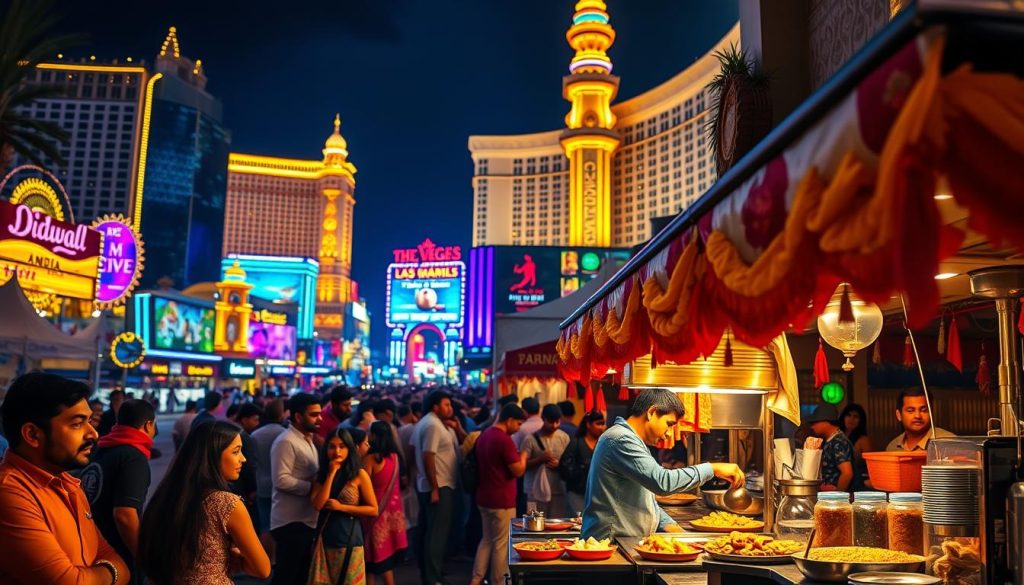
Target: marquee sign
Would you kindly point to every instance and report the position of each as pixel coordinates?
(121, 262)
(46, 254)
(127, 350)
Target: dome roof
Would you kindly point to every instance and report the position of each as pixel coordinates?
(335, 142)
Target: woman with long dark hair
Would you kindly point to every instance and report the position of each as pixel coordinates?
(855, 426)
(195, 531)
(343, 492)
(574, 464)
(385, 534)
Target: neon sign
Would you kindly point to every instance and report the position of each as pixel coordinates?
(425, 293)
(127, 350)
(428, 252)
(121, 262)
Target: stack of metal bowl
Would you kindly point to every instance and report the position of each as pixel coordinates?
(950, 494)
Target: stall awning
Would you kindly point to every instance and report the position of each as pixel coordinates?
(913, 149)
(535, 361)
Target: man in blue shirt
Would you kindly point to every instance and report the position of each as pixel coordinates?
(624, 477)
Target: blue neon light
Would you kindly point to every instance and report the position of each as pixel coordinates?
(590, 17)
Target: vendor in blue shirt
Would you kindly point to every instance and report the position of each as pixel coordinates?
(624, 477)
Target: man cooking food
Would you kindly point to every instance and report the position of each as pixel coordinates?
(624, 477)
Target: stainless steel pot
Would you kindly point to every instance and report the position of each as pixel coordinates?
(533, 522)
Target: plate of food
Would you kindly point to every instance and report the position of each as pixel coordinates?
(677, 499)
(756, 549)
(555, 525)
(591, 549)
(536, 550)
(726, 522)
(657, 547)
(835, 564)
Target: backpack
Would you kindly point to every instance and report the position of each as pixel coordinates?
(470, 471)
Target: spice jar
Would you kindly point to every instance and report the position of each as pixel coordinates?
(870, 525)
(833, 519)
(906, 523)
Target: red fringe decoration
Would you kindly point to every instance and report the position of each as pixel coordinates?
(601, 406)
(908, 353)
(845, 307)
(821, 374)
(728, 351)
(1020, 320)
(953, 353)
(623, 393)
(588, 400)
(984, 378)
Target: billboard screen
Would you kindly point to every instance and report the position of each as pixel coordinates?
(530, 276)
(182, 326)
(272, 341)
(430, 292)
(282, 279)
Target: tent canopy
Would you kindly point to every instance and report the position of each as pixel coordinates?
(24, 333)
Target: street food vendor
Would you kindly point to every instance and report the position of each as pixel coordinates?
(912, 412)
(624, 477)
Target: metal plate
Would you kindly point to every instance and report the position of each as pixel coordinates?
(882, 578)
(742, 559)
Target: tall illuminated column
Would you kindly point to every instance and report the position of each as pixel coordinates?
(334, 285)
(590, 137)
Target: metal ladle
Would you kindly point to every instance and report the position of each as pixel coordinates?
(737, 499)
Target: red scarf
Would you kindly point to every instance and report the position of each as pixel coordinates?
(125, 435)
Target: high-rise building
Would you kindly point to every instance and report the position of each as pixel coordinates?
(601, 179)
(185, 180)
(298, 208)
(104, 108)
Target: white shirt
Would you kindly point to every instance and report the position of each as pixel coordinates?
(431, 435)
(554, 444)
(293, 466)
(530, 425)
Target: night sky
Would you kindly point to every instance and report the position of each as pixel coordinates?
(411, 79)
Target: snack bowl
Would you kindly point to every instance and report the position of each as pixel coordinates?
(590, 554)
(838, 572)
(537, 555)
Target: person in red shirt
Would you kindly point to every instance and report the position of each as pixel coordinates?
(499, 464)
(46, 525)
(336, 412)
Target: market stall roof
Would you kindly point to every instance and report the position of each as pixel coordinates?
(24, 333)
(535, 361)
(908, 157)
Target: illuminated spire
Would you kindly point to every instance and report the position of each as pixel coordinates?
(171, 42)
(336, 148)
(591, 36)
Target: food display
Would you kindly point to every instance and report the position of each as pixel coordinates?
(957, 561)
(548, 550)
(546, 545)
(591, 544)
(677, 499)
(752, 545)
(833, 520)
(862, 554)
(591, 549)
(906, 529)
(657, 547)
(726, 522)
(870, 524)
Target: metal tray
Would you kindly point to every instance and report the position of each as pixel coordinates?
(747, 560)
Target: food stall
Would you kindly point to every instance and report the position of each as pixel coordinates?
(904, 166)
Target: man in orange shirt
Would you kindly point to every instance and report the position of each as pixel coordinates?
(45, 522)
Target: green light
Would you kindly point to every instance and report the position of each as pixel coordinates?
(833, 393)
(590, 262)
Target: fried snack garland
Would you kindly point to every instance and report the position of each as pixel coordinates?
(727, 520)
(752, 545)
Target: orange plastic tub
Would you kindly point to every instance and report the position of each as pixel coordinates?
(896, 471)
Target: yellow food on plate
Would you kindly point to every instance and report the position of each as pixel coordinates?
(549, 545)
(752, 545)
(591, 544)
(727, 520)
(862, 554)
(661, 544)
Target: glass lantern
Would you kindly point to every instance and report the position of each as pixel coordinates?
(852, 337)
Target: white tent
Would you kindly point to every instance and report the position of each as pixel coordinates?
(24, 333)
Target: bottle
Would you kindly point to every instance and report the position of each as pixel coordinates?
(833, 519)
(870, 523)
(905, 520)
(794, 519)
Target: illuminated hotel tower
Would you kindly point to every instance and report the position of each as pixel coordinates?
(590, 137)
(298, 208)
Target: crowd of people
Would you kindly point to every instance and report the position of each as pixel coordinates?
(331, 487)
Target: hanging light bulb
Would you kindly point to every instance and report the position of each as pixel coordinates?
(849, 337)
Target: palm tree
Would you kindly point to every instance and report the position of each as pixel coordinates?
(26, 39)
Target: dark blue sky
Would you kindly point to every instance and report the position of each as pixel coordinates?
(411, 79)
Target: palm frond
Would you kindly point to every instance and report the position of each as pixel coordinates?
(733, 61)
(29, 145)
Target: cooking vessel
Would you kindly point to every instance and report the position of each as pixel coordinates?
(713, 499)
(837, 572)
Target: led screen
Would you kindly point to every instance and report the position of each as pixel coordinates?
(183, 327)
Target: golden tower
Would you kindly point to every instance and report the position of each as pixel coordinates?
(590, 137)
(233, 311)
(334, 285)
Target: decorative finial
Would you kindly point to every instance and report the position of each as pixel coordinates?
(337, 123)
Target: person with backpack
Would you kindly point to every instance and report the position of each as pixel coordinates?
(493, 464)
(575, 461)
(545, 490)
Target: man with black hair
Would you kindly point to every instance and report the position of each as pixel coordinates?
(273, 425)
(624, 477)
(912, 412)
(568, 424)
(48, 532)
(109, 418)
(211, 401)
(362, 417)
(836, 451)
(337, 411)
(293, 465)
(533, 422)
(436, 478)
(543, 450)
(248, 417)
(117, 480)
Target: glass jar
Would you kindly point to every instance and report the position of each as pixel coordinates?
(954, 554)
(870, 526)
(833, 519)
(905, 521)
(795, 518)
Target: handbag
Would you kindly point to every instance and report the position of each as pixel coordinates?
(319, 569)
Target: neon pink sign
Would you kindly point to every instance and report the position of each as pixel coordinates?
(120, 263)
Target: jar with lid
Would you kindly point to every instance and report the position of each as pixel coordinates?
(833, 519)
(954, 554)
(906, 523)
(794, 519)
(870, 526)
